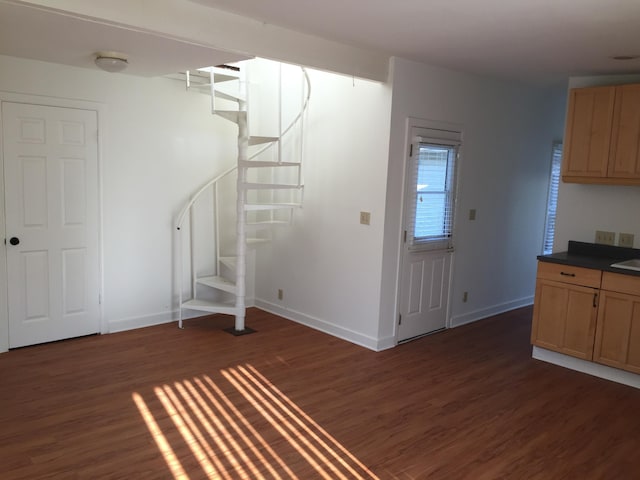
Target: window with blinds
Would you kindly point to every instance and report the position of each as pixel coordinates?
(552, 199)
(432, 205)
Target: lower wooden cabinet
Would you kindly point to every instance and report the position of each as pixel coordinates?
(617, 342)
(588, 314)
(564, 318)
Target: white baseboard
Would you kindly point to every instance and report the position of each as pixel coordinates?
(386, 343)
(584, 366)
(483, 313)
(326, 327)
(124, 324)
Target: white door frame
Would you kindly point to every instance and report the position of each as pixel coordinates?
(411, 123)
(100, 110)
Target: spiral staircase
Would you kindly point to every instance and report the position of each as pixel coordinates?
(269, 187)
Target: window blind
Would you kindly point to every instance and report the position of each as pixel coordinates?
(552, 199)
(433, 195)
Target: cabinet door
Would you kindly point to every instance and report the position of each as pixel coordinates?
(588, 132)
(564, 318)
(624, 161)
(618, 332)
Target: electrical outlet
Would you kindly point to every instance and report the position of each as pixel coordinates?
(365, 218)
(280, 294)
(605, 238)
(625, 240)
(465, 296)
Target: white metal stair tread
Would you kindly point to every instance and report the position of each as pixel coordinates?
(231, 115)
(217, 78)
(258, 164)
(270, 206)
(227, 95)
(218, 282)
(267, 223)
(227, 308)
(261, 140)
(271, 186)
(202, 79)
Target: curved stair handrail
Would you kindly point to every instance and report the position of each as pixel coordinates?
(295, 120)
(194, 197)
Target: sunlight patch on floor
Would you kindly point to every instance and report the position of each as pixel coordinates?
(161, 441)
(244, 428)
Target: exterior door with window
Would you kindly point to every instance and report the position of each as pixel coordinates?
(428, 231)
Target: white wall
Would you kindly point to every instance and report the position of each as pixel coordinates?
(583, 209)
(508, 130)
(159, 144)
(329, 265)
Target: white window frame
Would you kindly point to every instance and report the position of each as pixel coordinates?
(445, 138)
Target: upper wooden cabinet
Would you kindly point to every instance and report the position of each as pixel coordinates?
(602, 135)
(624, 161)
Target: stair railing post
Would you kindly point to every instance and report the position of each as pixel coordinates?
(192, 254)
(216, 228)
(241, 236)
(213, 90)
(180, 276)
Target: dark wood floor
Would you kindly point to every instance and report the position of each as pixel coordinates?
(290, 402)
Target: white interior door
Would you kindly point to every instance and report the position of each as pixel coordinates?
(428, 231)
(51, 201)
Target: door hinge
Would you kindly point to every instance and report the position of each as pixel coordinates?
(399, 319)
(405, 237)
(411, 150)
(99, 299)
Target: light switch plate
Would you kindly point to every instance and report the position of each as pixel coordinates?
(605, 238)
(365, 218)
(625, 240)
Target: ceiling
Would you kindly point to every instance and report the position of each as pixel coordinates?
(539, 41)
(51, 36)
(532, 40)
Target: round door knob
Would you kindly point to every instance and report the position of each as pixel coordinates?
(14, 240)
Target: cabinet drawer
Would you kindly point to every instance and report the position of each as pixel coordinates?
(569, 274)
(616, 282)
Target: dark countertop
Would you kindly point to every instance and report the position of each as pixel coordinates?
(591, 255)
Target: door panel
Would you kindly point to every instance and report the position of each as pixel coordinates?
(51, 198)
(35, 277)
(424, 293)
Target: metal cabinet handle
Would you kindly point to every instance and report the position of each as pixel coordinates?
(568, 274)
(595, 300)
